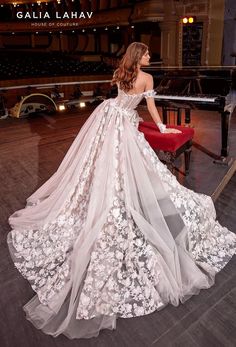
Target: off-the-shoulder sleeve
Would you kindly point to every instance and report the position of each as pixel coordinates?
(149, 93)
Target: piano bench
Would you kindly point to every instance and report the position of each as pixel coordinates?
(169, 146)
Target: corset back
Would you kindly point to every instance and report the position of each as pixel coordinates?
(128, 101)
(126, 104)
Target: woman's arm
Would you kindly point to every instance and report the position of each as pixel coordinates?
(150, 101)
(153, 110)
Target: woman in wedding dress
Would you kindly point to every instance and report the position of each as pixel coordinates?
(112, 233)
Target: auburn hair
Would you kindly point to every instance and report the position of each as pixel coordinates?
(126, 74)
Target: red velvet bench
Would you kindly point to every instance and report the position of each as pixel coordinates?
(169, 146)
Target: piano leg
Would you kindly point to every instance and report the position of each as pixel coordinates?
(187, 116)
(164, 115)
(224, 133)
(179, 112)
(176, 110)
(224, 159)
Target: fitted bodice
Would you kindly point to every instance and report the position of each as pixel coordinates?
(128, 101)
(131, 101)
(126, 104)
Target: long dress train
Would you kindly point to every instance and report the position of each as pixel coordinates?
(112, 233)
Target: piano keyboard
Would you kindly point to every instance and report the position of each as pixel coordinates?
(185, 98)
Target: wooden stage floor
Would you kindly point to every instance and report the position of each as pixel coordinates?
(30, 152)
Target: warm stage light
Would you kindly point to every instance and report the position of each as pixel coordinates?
(82, 104)
(61, 107)
(189, 20)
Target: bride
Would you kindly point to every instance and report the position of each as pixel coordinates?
(112, 233)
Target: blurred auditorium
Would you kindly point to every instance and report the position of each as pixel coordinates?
(57, 59)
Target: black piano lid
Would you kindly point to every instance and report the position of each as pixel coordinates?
(182, 71)
(202, 80)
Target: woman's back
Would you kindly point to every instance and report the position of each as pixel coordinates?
(140, 83)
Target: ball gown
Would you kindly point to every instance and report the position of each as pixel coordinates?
(112, 233)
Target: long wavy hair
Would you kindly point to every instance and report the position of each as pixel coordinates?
(127, 71)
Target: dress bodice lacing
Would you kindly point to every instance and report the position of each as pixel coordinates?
(126, 104)
(130, 101)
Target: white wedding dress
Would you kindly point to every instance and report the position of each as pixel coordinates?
(112, 233)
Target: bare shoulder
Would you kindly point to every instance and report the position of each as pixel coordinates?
(147, 81)
(144, 82)
(146, 76)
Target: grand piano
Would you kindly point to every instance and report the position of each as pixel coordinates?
(197, 88)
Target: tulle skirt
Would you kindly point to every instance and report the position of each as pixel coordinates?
(113, 234)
